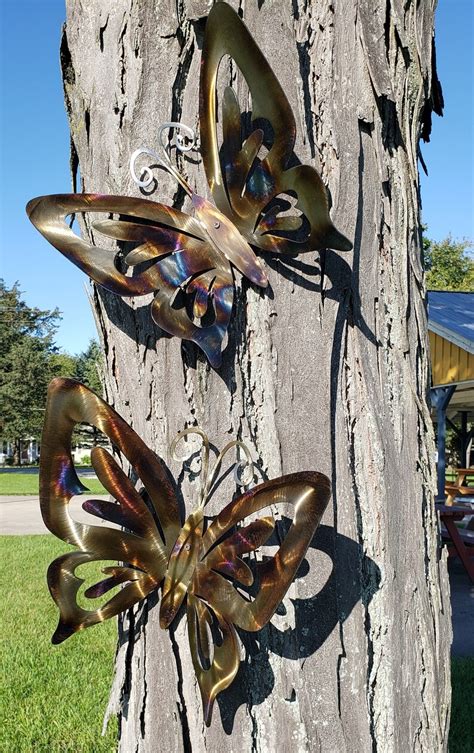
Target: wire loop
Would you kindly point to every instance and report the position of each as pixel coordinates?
(184, 140)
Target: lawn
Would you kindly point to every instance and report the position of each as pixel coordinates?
(55, 697)
(27, 483)
(461, 733)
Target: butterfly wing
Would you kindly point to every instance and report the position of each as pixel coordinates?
(143, 548)
(173, 257)
(214, 592)
(245, 187)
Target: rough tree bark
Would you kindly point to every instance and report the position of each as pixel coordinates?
(330, 373)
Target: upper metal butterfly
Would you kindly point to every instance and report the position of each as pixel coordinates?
(249, 175)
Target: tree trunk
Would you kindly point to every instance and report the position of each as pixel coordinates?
(330, 374)
(17, 452)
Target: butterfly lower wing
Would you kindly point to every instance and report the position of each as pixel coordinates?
(173, 250)
(171, 228)
(215, 665)
(243, 185)
(144, 547)
(213, 596)
(309, 494)
(64, 586)
(209, 280)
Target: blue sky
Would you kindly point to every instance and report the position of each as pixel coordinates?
(34, 156)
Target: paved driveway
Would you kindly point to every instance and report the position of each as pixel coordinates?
(21, 515)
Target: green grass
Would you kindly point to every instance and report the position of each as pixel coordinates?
(52, 698)
(461, 733)
(27, 483)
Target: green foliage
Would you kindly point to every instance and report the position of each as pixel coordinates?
(63, 364)
(55, 697)
(449, 264)
(90, 367)
(461, 733)
(28, 360)
(28, 484)
(89, 370)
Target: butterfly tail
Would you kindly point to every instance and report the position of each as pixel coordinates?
(214, 649)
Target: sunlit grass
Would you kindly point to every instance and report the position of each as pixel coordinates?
(27, 483)
(461, 733)
(53, 698)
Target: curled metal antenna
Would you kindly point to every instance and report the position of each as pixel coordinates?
(184, 139)
(243, 471)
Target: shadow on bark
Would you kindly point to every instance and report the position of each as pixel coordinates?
(140, 327)
(354, 578)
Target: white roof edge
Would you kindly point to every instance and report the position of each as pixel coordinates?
(466, 384)
(453, 337)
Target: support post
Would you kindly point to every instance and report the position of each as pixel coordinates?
(440, 397)
(466, 436)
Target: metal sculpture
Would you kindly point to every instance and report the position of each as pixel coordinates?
(249, 177)
(205, 561)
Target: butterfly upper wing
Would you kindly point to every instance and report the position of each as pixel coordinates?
(214, 591)
(142, 548)
(173, 248)
(244, 187)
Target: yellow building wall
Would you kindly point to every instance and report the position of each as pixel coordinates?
(449, 363)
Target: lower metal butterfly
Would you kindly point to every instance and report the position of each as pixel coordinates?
(203, 561)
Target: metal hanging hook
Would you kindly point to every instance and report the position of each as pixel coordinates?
(208, 478)
(184, 140)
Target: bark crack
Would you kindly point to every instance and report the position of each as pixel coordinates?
(181, 704)
(102, 32)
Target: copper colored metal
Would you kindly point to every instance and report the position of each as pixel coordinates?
(243, 185)
(198, 561)
(184, 257)
(196, 255)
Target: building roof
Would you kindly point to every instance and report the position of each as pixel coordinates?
(451, 315)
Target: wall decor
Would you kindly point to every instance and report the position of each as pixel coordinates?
(206, 563)
(264, 200)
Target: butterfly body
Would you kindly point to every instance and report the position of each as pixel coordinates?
(181, 567)
(226, 239)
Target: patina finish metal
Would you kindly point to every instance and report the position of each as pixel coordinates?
(245, 187)
(186, 259)
(250, 180)
(203, 561)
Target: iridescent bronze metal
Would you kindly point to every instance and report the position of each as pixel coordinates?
(197, 255)
(186, 259)
(205, 565)
(244, 186)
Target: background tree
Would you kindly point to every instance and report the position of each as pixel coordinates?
(28, 360)
(449, 264)
(330, 372)
(89, 367)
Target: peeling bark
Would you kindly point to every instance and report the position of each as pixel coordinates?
(331, 374)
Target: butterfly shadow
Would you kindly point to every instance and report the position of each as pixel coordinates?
(354, 577)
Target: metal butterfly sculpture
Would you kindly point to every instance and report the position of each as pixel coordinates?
(196, 256)
(205, 561)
